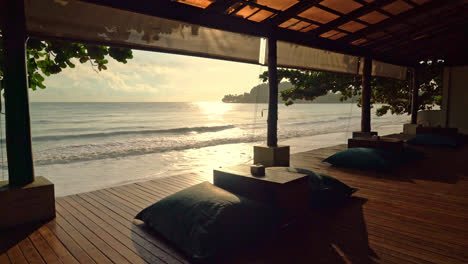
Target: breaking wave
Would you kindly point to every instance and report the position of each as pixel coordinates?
(180, 130)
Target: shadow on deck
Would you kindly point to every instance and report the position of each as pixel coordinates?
(415, 214)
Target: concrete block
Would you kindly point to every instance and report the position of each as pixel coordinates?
(272, 156)
(409, 129)
(29, 204)
(359, 134)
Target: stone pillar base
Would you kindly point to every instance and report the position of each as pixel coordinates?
(271, 156)
(29, 204)
(409, 129)
(359, 134)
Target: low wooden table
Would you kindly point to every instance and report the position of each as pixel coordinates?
(390, 144)
(287, 190)
(442, 131)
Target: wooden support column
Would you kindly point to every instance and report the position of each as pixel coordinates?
(17, 120)
(272, 154)
(366, 96)
(272, 140)
(414, 96)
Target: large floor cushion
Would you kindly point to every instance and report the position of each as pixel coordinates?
(207, 222)
(365, 159)
(432, 140)
(324, 190)
(410, 154)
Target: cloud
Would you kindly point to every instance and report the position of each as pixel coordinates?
(151, 76)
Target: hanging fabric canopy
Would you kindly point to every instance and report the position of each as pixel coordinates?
(85, 22)
(82, 21)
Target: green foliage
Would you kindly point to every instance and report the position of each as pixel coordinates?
(51, 57)
(394, 95)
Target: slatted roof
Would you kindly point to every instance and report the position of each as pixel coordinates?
(402, 32)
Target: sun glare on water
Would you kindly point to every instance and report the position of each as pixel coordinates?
(214, 110)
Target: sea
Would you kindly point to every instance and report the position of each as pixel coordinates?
(82, 147)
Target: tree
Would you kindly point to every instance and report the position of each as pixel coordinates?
(394, 95)
(51, 57)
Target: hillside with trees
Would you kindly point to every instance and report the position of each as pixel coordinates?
(392, 95)
(259, 94)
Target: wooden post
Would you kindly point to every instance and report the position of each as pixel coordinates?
(366, 96)
(415, 95)
(272, 140)
(17, 120)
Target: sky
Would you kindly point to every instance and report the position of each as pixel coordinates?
(150, 77)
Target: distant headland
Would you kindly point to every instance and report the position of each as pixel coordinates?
(259, 94)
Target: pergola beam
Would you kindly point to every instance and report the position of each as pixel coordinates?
(398, 19)
(350, 16)
(221, 5)
(293, 11)
(437, 46)
(440, 22)
(17, 119)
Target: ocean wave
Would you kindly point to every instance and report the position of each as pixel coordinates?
(142, 150)
(180, 130)
(321, 121)
(115, 150)
(184, 140)
(348, 117)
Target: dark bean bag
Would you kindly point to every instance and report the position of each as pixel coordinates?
(433, 140)
(208, 223)
(365, 159)
(324, 190)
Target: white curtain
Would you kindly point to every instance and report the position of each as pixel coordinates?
(84, 21)
(75, 20)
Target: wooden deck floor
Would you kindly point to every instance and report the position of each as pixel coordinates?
(416, 214)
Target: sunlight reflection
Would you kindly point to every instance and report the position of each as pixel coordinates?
(204, 160)
(214, 110)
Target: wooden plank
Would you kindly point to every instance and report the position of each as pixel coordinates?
(126, 228)
(90, 245)
(30, 252)
(101, 239)
(398, 221)
(184, 180)
(410, 226)
(46, 252)
(74, 248)
(16, 255)
(169, 186)
(116, 208)
(59, 249)
(136, 193)
(129, 207)
(127, 191)
(406, 246)
(4, 259)
(126, 219)
(135, 253)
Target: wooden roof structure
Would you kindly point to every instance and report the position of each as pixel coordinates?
(330, 35)
(402, 32)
